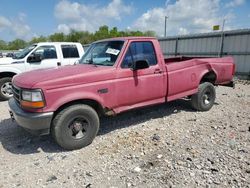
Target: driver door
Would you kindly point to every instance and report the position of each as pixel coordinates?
(49, 58)
(139, 86)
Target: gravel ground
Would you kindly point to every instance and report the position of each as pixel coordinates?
(167, 145)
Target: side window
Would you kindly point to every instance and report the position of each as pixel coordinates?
(128, 60)
(70, 51)
(46, 52)
(139, 51)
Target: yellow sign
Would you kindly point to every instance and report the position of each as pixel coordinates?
(216, 27)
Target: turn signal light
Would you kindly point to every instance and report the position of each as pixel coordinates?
(28, 104)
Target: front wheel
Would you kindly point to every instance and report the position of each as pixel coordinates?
(75, 126)
(5, 88)
(204, 99)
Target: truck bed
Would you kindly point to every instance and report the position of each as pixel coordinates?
(182, 58)
(187, 73)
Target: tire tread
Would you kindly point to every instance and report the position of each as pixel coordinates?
(58, 120)
(2, 81)
(195, 99)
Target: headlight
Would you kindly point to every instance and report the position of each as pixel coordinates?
(32, 96)
(32, 99)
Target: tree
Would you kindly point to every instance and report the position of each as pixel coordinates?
(57, 37)
(102, 33)
(3, 45)
(84, 37)
(16, 44)
(75, 36)
(114, 32)
(150, 33)
(38, 39)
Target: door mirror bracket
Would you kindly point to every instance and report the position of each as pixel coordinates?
(140, 64)
(33, 58)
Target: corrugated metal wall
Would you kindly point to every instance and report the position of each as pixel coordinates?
(235, 43)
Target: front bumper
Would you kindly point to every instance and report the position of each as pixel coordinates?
(36, 123)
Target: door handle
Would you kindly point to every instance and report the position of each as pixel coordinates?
(59, 64)
(158, 71)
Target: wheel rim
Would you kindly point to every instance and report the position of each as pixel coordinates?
(78, 128)
(6, 89)
(207, 97)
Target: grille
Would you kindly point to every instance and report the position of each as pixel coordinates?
(16, 93)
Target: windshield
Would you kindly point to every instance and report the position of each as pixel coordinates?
(24, 52)
(102, 53)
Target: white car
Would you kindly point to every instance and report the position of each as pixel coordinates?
(37, 56)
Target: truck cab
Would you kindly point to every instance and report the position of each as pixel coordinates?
(37, 56)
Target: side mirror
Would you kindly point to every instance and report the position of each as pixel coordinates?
(140, 64)
(34, 58)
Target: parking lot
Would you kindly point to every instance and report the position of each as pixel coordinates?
(167, 145)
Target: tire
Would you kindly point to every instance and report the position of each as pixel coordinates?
(75, 126)
(5, 89)
(204, 99)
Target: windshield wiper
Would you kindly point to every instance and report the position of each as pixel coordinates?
(89, 61)
(103, 64)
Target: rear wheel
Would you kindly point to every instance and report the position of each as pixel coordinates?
(204, 99)
(75, 127)
(5, 88)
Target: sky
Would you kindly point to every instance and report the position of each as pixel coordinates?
(26, 19)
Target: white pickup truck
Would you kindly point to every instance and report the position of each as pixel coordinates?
(37, 56)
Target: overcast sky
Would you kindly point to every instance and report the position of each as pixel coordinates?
(28, 18)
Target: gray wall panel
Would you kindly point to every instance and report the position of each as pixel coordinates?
(236, 43)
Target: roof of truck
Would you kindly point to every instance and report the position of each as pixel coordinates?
(65, 43)
(127, 38)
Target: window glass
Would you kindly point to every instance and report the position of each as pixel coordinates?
(70, 51)
(127, 61)
(46, 52)
(139, 51)
(24, 52)
(102, 53)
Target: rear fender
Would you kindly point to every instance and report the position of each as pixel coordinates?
(208, 69)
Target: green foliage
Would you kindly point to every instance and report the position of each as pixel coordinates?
(17, 44)
(84, 37)
(57, 37)
(102, 33)
(3, 45)
(38, 39)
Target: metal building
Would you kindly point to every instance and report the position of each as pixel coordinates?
(233, 43)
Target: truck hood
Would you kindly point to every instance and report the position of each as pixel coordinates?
(62, 76)
(7, 61)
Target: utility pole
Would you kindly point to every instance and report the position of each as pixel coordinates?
(222, 38)
(165, 33)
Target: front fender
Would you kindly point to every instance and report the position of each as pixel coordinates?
(55, 102)
(5, 69)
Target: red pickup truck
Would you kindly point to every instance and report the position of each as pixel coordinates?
(113, 76)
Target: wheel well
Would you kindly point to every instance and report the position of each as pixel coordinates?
(209, 77)
(94, 104)
(7, 74)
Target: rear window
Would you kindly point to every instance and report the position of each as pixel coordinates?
(70, 51)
